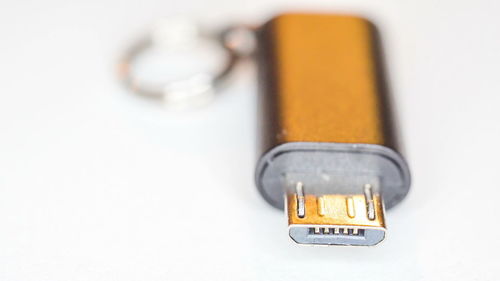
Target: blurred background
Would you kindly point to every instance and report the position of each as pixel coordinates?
(99, 184)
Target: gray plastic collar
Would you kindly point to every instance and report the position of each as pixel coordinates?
(332, 168)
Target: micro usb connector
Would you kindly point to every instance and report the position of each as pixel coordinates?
(330, 157)
(336, 219)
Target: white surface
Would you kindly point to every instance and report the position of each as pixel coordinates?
(96, 184)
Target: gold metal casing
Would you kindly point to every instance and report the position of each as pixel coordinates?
(322, 81)
(325, 109)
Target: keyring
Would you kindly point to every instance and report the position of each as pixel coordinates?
(198, 87)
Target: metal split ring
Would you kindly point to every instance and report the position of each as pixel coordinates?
(198, 87)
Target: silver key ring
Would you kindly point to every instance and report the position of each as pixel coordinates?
(197, 88)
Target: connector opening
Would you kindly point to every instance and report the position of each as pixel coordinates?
(350, 232)
(308, 235)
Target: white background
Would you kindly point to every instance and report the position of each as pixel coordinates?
(98, 184)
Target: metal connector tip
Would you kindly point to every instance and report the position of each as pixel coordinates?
(336, 219)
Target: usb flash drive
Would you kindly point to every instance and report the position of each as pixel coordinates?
(329, 152)
(330, 157)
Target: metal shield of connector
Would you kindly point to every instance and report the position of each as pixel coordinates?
(336, 219)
